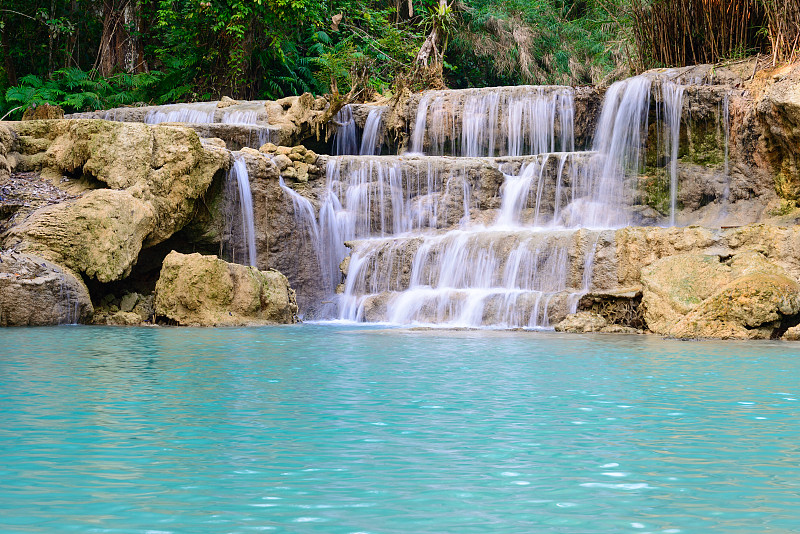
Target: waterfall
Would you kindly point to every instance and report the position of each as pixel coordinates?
(463, 278)
(619, 136)
(492, 219)
(199, 113)
(512, 121)
(240, 117)
(672, 97)
(239, 178)
(418, 136)
(202, 113)
(345, 139)
(726, 193)
(370, 140)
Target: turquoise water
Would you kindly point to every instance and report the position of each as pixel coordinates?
(336, 429)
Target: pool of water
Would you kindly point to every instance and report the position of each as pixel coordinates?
(337, 429)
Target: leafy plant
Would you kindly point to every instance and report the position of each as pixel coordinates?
(76, 90)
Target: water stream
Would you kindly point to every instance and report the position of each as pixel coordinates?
(672, 95)
(430, 246)
(371, 138)
(242, 237)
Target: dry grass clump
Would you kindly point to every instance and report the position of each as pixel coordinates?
(687, 32)
(783, 27)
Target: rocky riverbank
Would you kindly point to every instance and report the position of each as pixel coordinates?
(105, 218)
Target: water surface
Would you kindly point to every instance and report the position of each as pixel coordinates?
(336, 429)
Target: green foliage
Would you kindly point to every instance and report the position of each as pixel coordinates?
(192, 50)
(539, 41)
(76, 90)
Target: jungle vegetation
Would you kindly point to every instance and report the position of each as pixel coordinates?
(95, 54)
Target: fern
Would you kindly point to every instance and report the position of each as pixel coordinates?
(31, 80)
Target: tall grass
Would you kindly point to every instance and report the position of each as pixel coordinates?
(686, 32)
(783, 26)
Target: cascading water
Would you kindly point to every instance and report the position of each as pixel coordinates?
(478, 241)
(69, 303)
(345, 139)
(370, 140)
(726, 118)
(672, 96)
(202, 113)
(242, 240)
(511, 121)
(621, 130)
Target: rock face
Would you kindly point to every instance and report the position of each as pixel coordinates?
(582, 322)
(206, 291)
(771, 133)
(137, 185)
(87, 196)
(36, 292)
(697, 296)
(6, 145)
(99, 234)
(288, 121)
(676, 285)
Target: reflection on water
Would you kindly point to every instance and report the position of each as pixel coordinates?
(321, 428)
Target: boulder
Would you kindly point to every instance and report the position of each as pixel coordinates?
(141, 184)
(37, 292)
(99, 234)
(674, 286)
(751, 307)
(792, 334)
(582, 322)
(206, 291)
(128, 302)
(698, 296)
(164, 166)
(226, 102)
(6, 144)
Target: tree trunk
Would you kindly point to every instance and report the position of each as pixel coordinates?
(430, 49)
(119, 50)
(51, 39)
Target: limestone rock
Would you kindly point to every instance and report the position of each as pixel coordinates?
(203, 290)
(750, 307)
(128, 302)
(214, 141)
(697, 296)
(268, 148)
(36, 292)
(154, 177)
(582, 322)
(226, 102)
(638, 247)
(792, 334)
(6, 145)
(164, 166)
(674, 286)
(282, 161)
(774, 120)
(99, 234)
(123, 318)
(132, 309)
